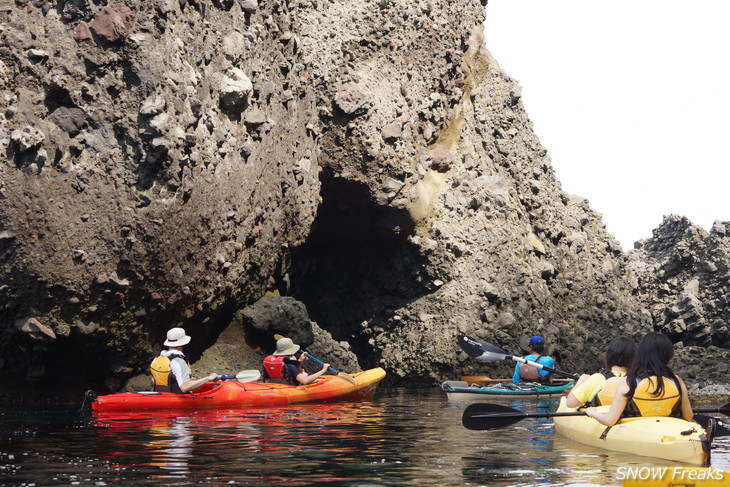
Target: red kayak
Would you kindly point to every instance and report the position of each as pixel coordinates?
(231, 394)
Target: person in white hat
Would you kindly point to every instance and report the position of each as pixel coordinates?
(171, 369)
(283, 367)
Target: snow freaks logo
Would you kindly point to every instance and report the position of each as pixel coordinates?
(674, 474)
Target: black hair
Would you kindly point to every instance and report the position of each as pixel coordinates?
(652, 359)
(538, 347)
(620, 352)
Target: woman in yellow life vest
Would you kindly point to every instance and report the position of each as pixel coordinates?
(650, 387)
(171, 370)
(598, 389)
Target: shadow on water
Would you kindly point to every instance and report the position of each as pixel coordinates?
(402, 437)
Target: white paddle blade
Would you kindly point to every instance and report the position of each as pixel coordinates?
(248, 376)
(491, 356)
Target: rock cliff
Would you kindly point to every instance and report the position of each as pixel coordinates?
(170, 162)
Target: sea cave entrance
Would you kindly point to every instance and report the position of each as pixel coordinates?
(357, 265)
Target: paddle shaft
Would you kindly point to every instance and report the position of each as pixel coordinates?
(541, 366)
(722, 410)
(242, 376)
(318, 361)
(485, 416)
(333, 370)
(521, 415)
(547, 414)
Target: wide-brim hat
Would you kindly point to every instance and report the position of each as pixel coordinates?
(176, 337)
(284, 346)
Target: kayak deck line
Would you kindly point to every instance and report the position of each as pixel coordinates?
(482, 380)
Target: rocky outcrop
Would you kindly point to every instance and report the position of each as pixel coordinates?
(169, 163)
(159, 166)
(684, 275)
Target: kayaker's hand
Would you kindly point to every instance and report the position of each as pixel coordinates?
(590, 412)
(211, 377)
(325, 367)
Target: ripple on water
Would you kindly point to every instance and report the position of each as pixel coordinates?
(412, 437)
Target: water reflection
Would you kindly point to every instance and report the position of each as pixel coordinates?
(173, 448)
(403, 437)
(256, 445)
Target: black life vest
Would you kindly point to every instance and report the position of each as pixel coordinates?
(276, 370)
(164, 379)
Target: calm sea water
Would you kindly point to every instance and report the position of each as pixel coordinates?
(412, 437)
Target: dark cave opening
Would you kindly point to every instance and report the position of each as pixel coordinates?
(357, 265)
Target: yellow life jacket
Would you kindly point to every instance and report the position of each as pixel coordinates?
(645, 403)
(164, 379)
(605, 395)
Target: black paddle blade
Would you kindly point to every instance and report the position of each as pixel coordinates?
(721, 428)
(481, 350)
(484, 416)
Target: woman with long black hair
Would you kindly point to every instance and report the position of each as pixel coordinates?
(651, 387)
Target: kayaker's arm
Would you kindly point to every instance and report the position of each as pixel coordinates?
(686, 406)
(617, 407)
(195, 383)
(305, 379)
(516, 375)
(573, 400)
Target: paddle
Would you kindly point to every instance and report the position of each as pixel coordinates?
(331, 369)
(486, 352)
(485, 416)
(724, 409)
(242, 376)
(316, 360)
(721, 427)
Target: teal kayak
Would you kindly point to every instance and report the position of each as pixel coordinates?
(461, 391)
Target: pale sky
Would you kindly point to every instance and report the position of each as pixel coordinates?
(631, 98)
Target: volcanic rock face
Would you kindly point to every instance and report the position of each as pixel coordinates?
(685, 280)
(169, 162)
(161, 157)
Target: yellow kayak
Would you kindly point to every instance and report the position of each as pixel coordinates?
(668, 438)
(636, 476)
